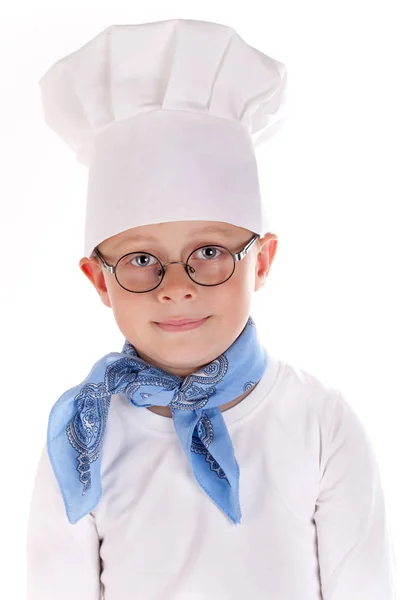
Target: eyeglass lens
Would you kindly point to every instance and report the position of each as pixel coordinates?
(209, 265)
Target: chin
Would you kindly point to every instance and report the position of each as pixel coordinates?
(184, 359)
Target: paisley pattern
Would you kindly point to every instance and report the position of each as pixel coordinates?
(202, 438)
(248, 385)
(193, 400)
(191, 395)
(85, 431)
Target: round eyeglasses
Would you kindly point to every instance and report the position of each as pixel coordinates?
(140, 272)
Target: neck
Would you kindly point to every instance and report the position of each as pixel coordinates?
(165, 411)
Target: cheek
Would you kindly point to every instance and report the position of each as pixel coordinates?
(123, 303)
(241, 283)
(233, 296)
(131, 316)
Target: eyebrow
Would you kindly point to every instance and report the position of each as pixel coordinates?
(138, 237)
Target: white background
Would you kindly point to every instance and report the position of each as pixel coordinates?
(330, 179)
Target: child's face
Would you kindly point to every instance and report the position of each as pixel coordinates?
(227, 305)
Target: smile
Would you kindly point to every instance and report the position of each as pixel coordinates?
(185, 327)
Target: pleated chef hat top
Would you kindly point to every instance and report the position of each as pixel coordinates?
(166, 116)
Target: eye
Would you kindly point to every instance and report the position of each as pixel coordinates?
(142, 260)
(208, 252)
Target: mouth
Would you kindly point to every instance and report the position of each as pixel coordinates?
(181, 324)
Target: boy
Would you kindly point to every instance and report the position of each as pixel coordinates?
(192, 464)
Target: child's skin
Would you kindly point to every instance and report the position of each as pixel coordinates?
(228, 304)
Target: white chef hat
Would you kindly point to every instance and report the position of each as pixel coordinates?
(166, 116)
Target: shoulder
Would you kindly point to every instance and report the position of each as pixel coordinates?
(305, 395)
(312, 413)
(297, 388)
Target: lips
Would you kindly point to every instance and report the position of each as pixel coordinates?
(180, 321)
(181, 324)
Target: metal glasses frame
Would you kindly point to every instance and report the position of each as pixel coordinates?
(236, 256)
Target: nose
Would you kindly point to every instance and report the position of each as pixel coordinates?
(175, 285)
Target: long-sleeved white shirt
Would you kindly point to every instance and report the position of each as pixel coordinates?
(314, 522)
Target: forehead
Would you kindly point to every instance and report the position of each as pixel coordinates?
(172, 231)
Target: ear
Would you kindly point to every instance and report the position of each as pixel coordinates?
(267, 246)
(94, 272)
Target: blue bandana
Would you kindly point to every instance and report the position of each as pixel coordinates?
(77, 421)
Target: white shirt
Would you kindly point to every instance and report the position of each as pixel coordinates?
(313, 514)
